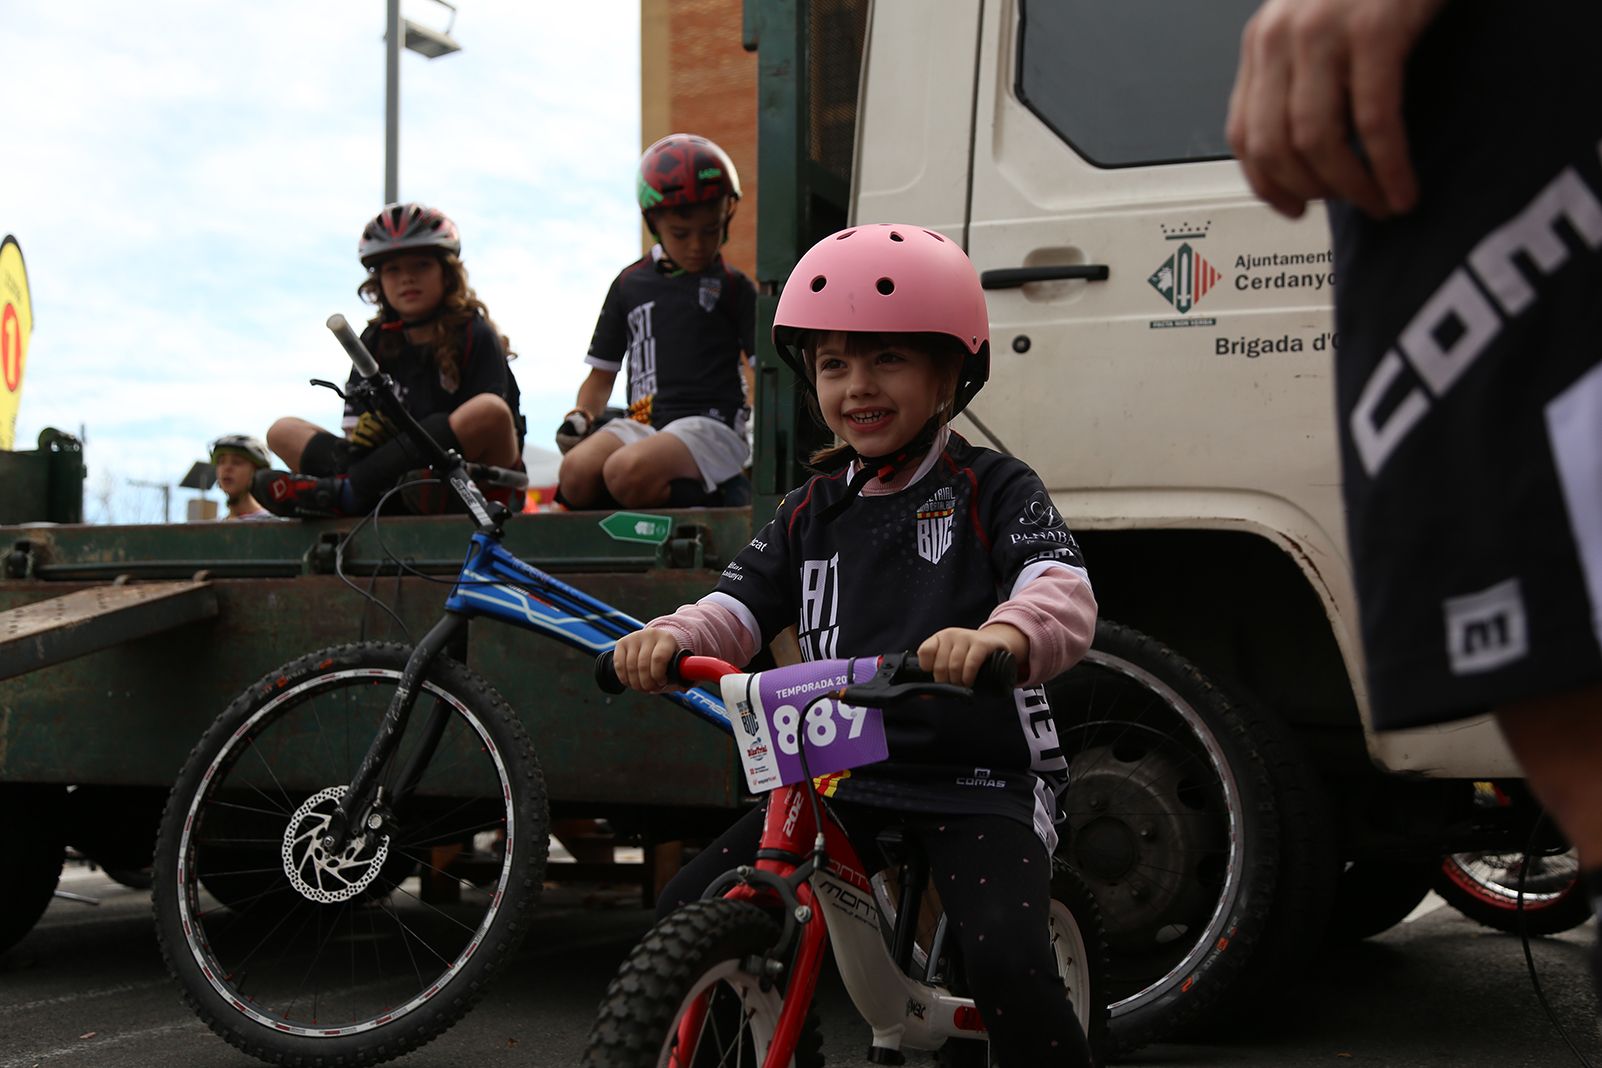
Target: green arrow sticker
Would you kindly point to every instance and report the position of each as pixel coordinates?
(637, 526)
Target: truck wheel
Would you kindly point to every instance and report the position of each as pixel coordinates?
(36, 847)
(1172, 823)
(1485, 888)
(1372, 896)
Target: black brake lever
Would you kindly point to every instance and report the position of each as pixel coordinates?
(329, 385)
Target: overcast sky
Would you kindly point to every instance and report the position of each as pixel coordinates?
(188, 180)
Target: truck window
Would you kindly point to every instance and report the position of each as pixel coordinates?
(1132, 82)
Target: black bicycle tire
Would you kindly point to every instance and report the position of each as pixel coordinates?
(1186, 995)
(500, 940)
(1561, 913)
(643, 1001)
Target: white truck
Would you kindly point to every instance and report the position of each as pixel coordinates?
(1161, 354)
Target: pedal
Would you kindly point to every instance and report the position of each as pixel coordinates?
(881, 1055)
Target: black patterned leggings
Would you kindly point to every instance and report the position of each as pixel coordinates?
(994, 878)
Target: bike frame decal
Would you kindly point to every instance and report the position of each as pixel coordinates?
(495, 583)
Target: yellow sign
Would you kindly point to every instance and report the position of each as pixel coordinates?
(16, 324)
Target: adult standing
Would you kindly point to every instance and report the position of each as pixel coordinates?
(1458, 146)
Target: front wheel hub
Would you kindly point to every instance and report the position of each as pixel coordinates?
(315, 872)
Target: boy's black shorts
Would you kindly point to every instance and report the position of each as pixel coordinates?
(1468, 375)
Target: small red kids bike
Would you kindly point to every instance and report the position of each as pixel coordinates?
(730, 979)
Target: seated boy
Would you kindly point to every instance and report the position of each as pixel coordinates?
(684, 321)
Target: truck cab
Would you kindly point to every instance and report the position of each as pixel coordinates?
(1161, 349)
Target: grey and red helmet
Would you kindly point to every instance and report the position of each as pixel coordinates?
(683, 169)
(404, 227)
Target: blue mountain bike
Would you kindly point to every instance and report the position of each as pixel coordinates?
(353, 848)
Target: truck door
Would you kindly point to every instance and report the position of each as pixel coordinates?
(1193, 353)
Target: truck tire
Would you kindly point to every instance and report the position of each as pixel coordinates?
(36, 832)
(1171, 821)
(249, 811)
(1372, 896)
(1304, 896)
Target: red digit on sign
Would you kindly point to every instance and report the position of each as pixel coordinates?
(11, 348)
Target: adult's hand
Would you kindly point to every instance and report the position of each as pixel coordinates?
(1312, 74)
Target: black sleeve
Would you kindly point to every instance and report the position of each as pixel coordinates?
(761, 577)
(483, 363)
(1023, 525)
(610, 342)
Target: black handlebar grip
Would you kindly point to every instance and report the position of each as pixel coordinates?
(673, 669)
(998, 674)
(606, 675)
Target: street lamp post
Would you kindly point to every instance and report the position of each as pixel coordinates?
(431, 44)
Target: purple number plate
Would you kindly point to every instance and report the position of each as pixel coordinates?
(772, 722)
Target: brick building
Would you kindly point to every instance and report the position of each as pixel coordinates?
(695, 77)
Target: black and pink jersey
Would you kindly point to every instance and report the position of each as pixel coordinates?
(682, 335)
(886, 573)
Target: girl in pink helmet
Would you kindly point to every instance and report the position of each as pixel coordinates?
(915, 539)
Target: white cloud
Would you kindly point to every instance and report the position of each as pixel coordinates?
(189, 181)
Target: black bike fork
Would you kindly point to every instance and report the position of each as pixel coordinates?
(449, 634)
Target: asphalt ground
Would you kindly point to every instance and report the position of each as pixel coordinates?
(87, 988)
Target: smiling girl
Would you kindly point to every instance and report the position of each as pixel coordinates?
(915, 539)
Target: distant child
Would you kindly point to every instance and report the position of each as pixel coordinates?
(237, 458)
(434, 338)
(917, 540)
(681, 318)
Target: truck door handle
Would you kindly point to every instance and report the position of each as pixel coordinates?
(1012, 277)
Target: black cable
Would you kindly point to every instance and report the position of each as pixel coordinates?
(339, 566)
(1529, 957)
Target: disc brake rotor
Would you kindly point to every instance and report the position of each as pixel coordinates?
(317, 874)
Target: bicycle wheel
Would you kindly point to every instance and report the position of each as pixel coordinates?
(686, 997)
(1173, 824)
(1485, 888)
(298, 957)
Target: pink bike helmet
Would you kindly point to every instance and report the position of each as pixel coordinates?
(887, 278)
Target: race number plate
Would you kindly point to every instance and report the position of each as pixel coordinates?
(772, 721)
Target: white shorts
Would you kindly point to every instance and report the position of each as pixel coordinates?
(720, 451)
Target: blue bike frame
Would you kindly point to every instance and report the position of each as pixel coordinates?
(495, 583)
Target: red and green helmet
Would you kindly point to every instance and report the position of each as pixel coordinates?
(684, 169)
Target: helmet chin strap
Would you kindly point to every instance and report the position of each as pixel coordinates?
(397, 323)
(884, 467)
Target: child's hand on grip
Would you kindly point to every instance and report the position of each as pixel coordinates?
(641, 659)
(955, 654)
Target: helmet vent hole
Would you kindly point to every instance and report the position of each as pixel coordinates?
(885, 285)
(895, 236)
(843, 235)
(934, 235)
(818, 283)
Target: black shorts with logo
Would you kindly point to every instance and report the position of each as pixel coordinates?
(1468, 378)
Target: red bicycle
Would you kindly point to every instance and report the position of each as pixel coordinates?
(730, 979)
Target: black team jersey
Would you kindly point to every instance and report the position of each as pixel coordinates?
(424, 391)
(888, 572)
(682, 335)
